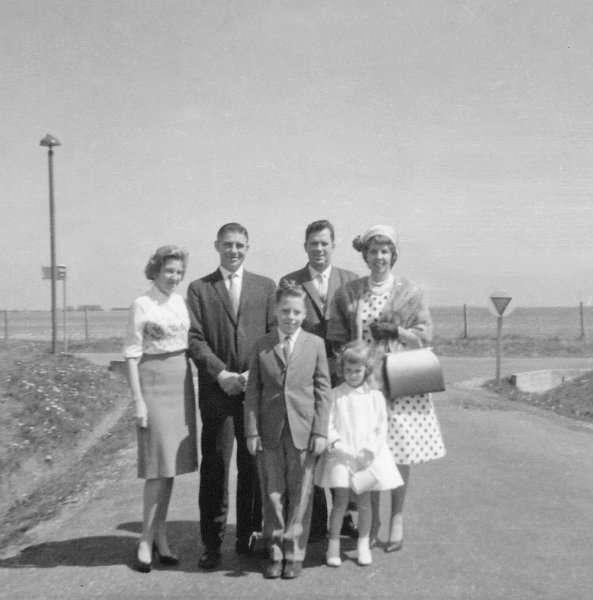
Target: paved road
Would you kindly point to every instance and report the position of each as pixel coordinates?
(506, 515)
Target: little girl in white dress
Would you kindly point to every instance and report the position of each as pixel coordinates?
(357, 449)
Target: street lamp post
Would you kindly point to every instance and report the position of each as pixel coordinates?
(49, 141)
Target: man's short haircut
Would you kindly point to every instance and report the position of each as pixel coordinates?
(232, 227)
(320, 226)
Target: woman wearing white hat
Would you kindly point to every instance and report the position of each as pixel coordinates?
(390, 315)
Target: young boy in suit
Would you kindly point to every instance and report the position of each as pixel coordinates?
(286, 421)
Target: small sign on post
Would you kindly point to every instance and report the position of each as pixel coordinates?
(500, 304)
(60, 275)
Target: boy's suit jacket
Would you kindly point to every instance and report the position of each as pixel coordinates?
(217, 338)
(318, 314)
(298, 391)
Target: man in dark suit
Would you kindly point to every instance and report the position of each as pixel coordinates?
(229, 310)
(321, 279)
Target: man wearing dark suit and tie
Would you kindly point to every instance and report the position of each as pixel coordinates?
(321, 279)
(229, 310)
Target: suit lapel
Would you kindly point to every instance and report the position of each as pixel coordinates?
(307, 283)
(278, 350)
(246, 290)
(298, 346)
(223, 293)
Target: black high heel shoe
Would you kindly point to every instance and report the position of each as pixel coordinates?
(140, 565)
(165, 559)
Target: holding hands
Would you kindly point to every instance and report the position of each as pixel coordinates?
(317, 445)
(232, 383)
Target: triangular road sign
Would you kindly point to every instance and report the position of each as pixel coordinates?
(500, 303)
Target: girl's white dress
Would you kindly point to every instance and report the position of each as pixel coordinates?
(358, 419)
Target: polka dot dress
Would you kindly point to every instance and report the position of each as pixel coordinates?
(413, 431)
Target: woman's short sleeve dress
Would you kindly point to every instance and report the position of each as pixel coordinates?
(413, 431)
(157, 331)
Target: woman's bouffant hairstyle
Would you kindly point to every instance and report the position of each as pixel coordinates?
(287, 288)
(357, 353)
(161, 256)
(363, 246)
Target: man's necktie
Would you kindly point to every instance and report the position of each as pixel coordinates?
(234, 292)
(322, 287)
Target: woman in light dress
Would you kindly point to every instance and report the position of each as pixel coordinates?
(162, 389)
(389, 314)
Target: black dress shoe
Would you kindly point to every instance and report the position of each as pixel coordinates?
(140, 565)
(210, 559)
(273, 569)
(349, 528)
(292, 569)
(165, 559)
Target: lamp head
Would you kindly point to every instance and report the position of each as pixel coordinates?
(50, 141)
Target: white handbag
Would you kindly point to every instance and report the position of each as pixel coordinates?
(413, 372)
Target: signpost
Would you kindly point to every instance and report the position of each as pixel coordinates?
(46, 273)
(500, 303)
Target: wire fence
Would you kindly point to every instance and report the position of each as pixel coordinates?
(450, 322)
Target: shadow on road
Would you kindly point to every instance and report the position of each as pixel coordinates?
(106, 550)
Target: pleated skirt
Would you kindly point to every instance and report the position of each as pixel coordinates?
(167, 446)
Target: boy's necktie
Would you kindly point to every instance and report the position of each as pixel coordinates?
(286, 348)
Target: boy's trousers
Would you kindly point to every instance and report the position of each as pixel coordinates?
(286, 477)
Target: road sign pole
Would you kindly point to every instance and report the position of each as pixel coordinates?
(498, 352)
(499, 304)
(64, 311)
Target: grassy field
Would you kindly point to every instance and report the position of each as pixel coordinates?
(50, 407)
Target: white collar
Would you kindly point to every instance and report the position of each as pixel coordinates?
(361, 389)
(293, 336)
(225, 272)
(315, 273)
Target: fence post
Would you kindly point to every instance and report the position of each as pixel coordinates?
(86, 324)
(465, 321)
(583, 335)
(6, 328)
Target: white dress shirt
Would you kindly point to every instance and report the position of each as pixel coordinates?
(321, 281)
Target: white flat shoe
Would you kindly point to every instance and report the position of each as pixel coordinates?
(334, 561)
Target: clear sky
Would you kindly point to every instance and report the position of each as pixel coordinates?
(465, 124)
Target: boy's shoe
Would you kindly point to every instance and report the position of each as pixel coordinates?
(292, 569)
(273, 569)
